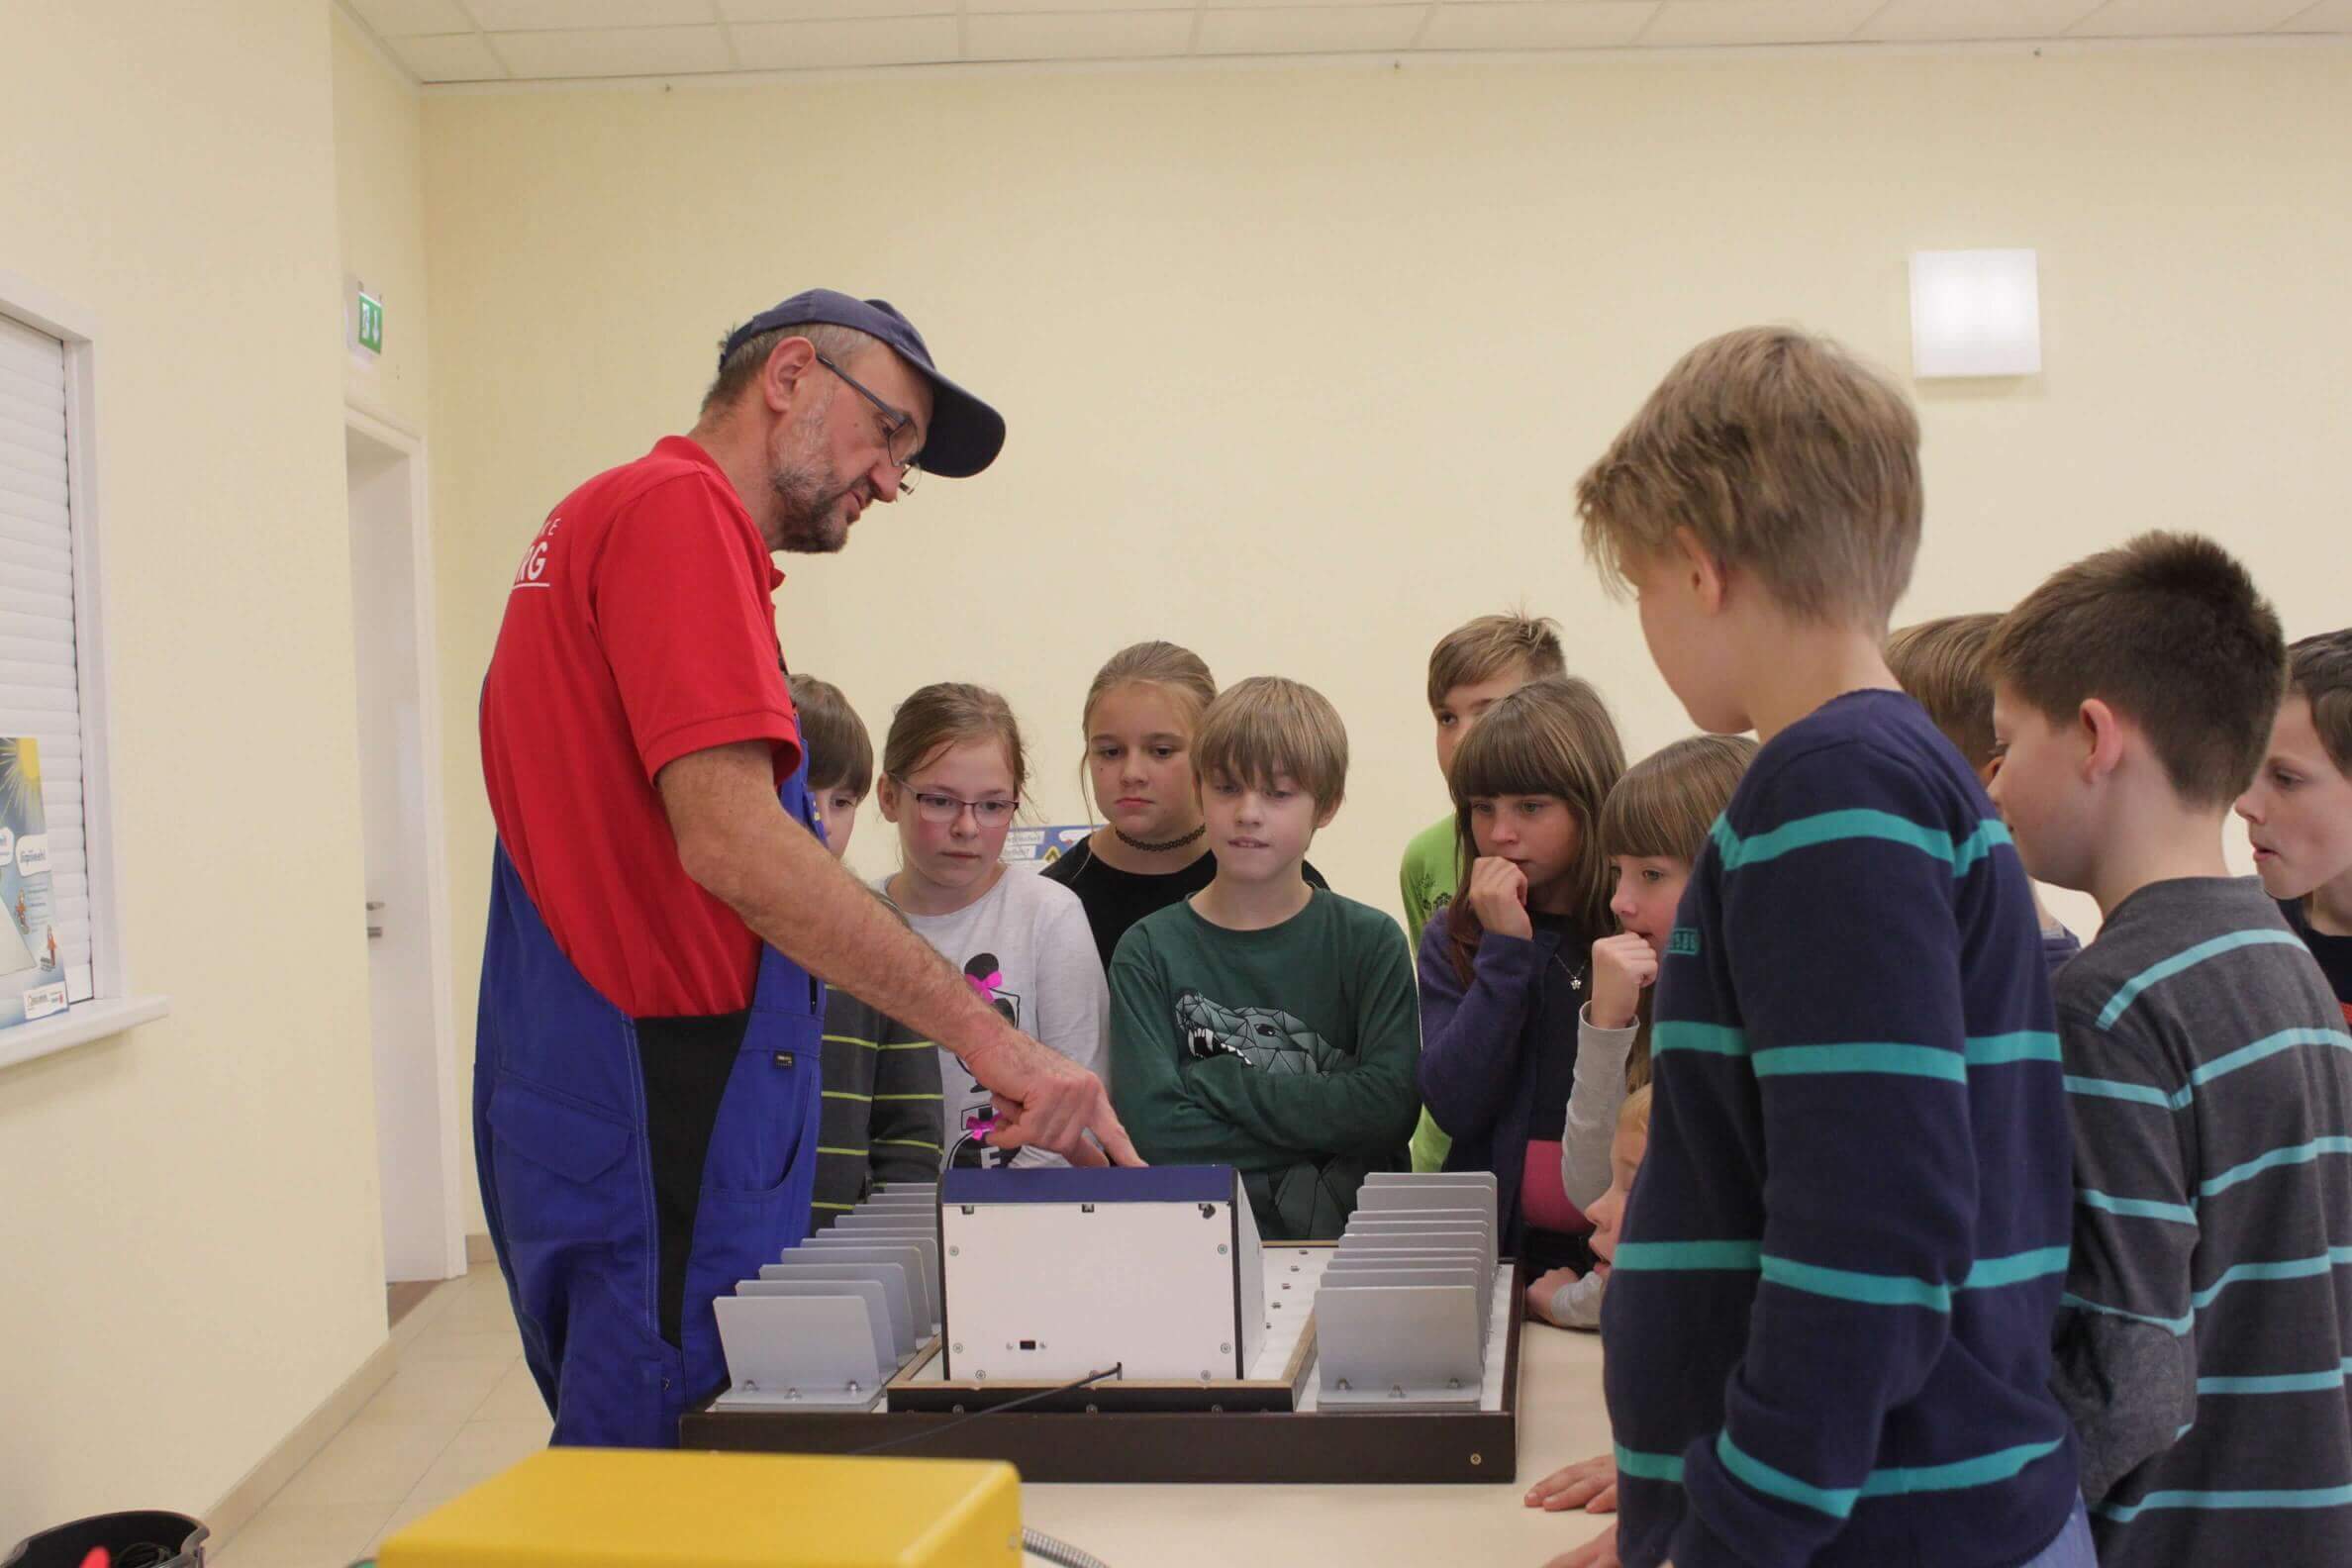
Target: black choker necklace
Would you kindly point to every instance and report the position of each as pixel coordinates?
(1141, 848)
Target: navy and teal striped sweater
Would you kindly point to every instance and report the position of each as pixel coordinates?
(1828, 1324)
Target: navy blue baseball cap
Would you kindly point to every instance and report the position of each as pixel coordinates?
(966, 433)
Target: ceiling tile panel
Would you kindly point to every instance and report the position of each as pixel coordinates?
(1733, 22)
(449, 57)
(406, 17)
(1300, 30)
(2328, 16)
(1560, 23)
(806, 46)
(1972, 21)
(2185, 18)
(615, 52)
(1110, 34)
(521, 15)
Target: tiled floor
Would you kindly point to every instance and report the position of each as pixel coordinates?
(461, 1409)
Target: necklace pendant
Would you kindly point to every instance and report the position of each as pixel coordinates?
(1576, 982)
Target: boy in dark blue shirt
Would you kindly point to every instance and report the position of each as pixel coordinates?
(1827, 1326)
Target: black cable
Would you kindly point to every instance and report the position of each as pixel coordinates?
(994, 1410)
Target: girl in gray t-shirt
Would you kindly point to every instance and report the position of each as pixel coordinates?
(952, 771)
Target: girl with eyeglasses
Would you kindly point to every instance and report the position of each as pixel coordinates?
(952, 772)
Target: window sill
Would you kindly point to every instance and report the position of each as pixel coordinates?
(80, 1025)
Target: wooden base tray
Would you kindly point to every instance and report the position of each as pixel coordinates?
(1237, 1431)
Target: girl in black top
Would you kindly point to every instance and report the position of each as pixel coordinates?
(1140, 717)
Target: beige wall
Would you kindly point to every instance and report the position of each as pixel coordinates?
(191, 1227)
(1302, 364)
(379, 180)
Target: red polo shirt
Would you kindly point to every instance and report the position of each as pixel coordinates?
(638, 629)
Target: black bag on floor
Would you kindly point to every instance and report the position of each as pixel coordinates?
(146, 1539)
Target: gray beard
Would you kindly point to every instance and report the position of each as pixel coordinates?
(809, 522)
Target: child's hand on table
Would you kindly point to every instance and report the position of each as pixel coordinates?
(1589, 1484)
(1545, 1288)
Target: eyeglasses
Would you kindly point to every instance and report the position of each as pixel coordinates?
(898, 428)
(940, 810)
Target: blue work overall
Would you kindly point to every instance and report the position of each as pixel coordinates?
(566, 1153)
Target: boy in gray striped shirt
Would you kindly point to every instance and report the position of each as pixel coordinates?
(2206, 1333)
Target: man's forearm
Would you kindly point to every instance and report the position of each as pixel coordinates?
(798, 899)
(801, 902)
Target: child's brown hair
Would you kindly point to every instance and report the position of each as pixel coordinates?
(1942, 665)
(950, 713)
(1550, 738)
(1783, 457)
(840, 753)
(1480, 649)
(1664, 806)
(2319, 671)
(2170, 633)
(1266, 727)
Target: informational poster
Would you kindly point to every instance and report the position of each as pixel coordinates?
(1036, 848)
(32, 975)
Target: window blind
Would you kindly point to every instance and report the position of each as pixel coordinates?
(39, 693)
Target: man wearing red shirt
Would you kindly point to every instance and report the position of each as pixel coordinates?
(645, 1085)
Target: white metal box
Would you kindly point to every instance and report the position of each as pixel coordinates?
(1052, 1275)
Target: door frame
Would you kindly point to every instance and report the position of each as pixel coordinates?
(449, 1104)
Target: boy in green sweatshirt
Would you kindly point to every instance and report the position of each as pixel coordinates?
(1263, 1024)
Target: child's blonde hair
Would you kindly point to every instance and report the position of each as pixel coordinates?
(1942, 664)
(1480, 649)
(1783, 456)
(947, 714)
(1177, 672)
(1550, 738)
(1267, 728)
(1635, 1113)
(1665, 805)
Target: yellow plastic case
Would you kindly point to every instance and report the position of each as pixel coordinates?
(594, 1508)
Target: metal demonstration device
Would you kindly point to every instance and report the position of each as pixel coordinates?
(1129, 1325)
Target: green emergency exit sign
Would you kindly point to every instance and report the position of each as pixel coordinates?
(370, 323)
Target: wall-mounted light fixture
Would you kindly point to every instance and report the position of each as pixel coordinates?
(1975, 313)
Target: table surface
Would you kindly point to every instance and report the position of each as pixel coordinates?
(1561, 1419)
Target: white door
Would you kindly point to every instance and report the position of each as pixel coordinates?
(417, 1103)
